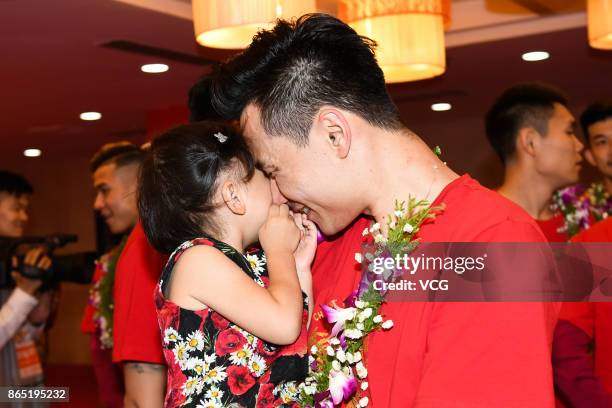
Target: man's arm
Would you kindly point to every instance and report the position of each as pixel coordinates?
(145, 384)
(14, 313)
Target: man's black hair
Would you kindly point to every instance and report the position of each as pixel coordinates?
(292, 70)
(528, 104)
(596, 112)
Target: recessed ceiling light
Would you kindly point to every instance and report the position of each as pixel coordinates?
(90, 116)
(154, 68)
(535, 56)
(440, 107)
(32, 152)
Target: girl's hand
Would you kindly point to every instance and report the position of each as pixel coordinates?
(279, 233)
(307, 247)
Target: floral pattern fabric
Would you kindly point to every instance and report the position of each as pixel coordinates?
(213, 362)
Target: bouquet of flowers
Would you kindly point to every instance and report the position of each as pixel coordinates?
(338, 372)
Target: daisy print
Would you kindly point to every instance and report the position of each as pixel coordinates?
(214, 393)
(210, 403)
(241, 357)
(171, 336)
(215, 375)
(195, 341)
(257, 264)
(257, 365)
(197, 364)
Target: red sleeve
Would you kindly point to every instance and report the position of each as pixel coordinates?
(573, 368)
(490, 354)
(136, 333)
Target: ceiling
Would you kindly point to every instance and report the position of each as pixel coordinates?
(53, 68)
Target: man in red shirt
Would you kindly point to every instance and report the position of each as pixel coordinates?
(114, 171)
(316, 113)
(136, 331)
(582, 353)
(532, 131)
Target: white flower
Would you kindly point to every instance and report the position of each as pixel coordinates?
(310, 360)
(387, 324)
(350, 358)
(341, 356)
(379, 239)
(257, 264)
(314, 350)
(171, 336)
(362, 372)
(378, 319)
(241, 357)
(365, 314)
(360, 326)
(334, 341)
(360, 304)
(364, 402)
(257, 365)
(330, 351)
(289, 392)
(392, 224)
(408, 228)
(197, 364)
(336, 365)
(215, 375)
(357, 356)
(214, 393)
(358, 257)
(195, 341)
(364, 385)
(398, 214)
(365, 232)
(180, 354)
(353, 334)
(190, 386)
(210, 403)
(375, 227)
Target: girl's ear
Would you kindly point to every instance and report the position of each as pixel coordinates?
(233, 197)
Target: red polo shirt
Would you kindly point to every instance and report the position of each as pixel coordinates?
(451, 354)
(136, 332)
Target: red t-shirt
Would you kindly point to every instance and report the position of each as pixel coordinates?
(551, 227)
(594, 319)
(136, 332)
(450, 354)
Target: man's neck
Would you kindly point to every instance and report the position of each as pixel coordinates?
(403, 166)
(529, 191)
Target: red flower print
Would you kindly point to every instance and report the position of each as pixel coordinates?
(228, 341)
(219, 321)
(239, 379)
(265, 398)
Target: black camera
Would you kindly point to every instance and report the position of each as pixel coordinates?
(65, 268)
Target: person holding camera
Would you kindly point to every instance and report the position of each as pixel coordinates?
(23, 309)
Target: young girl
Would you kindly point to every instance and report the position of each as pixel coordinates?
(234, 332)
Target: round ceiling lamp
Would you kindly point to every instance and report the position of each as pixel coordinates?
(231, 24)
(599, 14)
(409, 34)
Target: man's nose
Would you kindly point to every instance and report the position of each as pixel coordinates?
(277, 196)
(579, 144)
(98, 202)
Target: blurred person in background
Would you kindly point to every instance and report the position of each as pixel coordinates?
(114, 171)
(24, 310)
(534, 134)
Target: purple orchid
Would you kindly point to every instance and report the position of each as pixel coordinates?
(341, 386)
(337, 316)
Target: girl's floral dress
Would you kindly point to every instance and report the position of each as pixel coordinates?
(213, 362)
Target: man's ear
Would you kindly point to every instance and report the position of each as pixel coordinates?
(337, 131)
(233, 197)
(527, 141)
(588, 154)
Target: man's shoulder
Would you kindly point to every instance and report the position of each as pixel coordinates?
(474, 212)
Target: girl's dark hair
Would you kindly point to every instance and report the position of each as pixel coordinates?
(178, 180)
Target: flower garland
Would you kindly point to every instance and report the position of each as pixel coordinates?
(578, 204)
(101, 295)
(337, 370)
